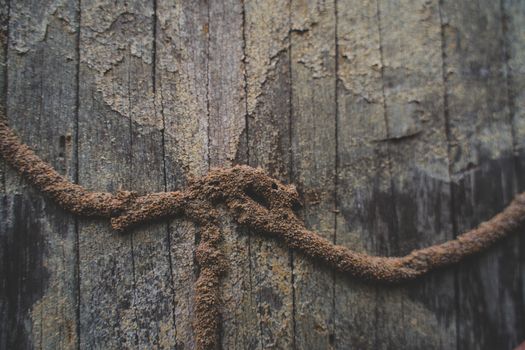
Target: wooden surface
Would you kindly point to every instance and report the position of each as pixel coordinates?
(402, 124)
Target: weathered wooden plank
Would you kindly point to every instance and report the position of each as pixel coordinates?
(121, 147)
(482, 168)
(227, 121)
(181, 92)
(144, 122)
(106, 267)
(39, 256)
(364, 197)
(411, 51)
(313, 156)
(514, 31)
(153, 284)
(267, 29)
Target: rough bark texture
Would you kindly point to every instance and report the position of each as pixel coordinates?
(402, 123)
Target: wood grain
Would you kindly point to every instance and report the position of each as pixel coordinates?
(227, 122)
(268, 87)
(38, 240)
(482, 169)
(514, 33)
(39, 284)
(181, 98)
(364, 198)
(313, 141)
(401, 122)
(126, 294)
(413, 91)
(152, 280)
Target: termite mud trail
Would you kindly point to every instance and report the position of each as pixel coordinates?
(256, 201)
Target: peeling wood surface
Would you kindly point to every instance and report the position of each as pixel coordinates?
(402, 123)
(108, 269)
(313, 138)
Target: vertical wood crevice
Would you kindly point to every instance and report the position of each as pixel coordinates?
(248, 233)
(129, 274)
(245, 86)
(393, 220)
(40, 105)
(158, 108)
(267, 89)
(519, 186)
(482, 168)
(513, 41)
(391, 243)
(291, 174)
(332, 335)
(313, 151)
(247, 161)
(385, 248)
(452, 204)
(363, 176)
(208, 104)
(77, 176)
(227, 123)
(182, 98)
(150, 247)
(4, 32)
(130, 185)
(410, 54)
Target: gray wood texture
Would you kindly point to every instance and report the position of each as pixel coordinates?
(482, 168)
(313, 136)
(402, 124)
(181, 78)
(39, 294)
(268, 100)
